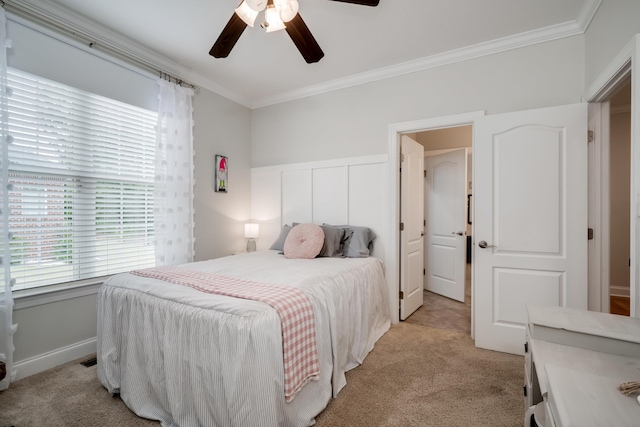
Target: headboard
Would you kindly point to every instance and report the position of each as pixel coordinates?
(341, 191)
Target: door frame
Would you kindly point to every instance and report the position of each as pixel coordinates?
(607, 83)
(393, 249)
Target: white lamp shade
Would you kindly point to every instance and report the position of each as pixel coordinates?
(246, 13)
(272, 17)
(251, 230)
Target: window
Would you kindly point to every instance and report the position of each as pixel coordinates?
(81, 169)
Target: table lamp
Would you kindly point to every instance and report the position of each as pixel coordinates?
(251, 232)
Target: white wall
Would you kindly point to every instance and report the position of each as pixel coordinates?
(615, 23)
(355, 121)
(221, 127)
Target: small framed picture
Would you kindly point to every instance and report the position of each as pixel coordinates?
(222, 174)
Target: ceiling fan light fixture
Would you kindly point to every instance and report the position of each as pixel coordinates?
(288, 9)
(257, 5)
(246, 13)
(272, 22)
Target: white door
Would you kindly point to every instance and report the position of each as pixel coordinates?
(412, 228)
(530, 219)
(446, 196)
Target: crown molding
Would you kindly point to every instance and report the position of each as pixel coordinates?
(542, 35)
(66, 23)
(587, 13)
(99, 38)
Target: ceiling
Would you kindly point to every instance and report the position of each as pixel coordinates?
(360, 43)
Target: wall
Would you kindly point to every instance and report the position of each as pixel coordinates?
(603, 41)
(58, 327)
(355, 121)
(440, 139)
(221, 127)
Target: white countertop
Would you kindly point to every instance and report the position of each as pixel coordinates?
(587, 322)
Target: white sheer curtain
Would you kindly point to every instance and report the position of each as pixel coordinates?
(7, 328)
(173, 201)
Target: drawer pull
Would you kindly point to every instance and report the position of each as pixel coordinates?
(525, 391)
(526, 347)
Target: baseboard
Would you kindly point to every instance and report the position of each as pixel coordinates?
(35, 365)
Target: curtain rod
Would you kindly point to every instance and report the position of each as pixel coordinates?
(87, 38)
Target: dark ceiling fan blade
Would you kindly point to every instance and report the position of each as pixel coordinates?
(362, 2)
(304, 40)
(228, 37)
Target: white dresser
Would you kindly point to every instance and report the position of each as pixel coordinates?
(574, 362)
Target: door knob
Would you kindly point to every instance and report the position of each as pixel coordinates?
(483, 244)
(459, 233)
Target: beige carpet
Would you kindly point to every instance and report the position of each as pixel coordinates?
(415, 376)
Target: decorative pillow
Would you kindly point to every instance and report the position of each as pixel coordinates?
(333, 237)
(304, 241)
(361, 242)
(278, 245)
(345, 234)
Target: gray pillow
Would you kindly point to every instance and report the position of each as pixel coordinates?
(333, 241)
(361, 243)
(278, 245)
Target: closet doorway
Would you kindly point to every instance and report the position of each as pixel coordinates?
(448, 228)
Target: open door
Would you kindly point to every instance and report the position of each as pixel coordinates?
(446, 197)
(412, 226)
(530, 219)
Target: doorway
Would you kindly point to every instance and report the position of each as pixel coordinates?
(448, 225)
(610, 220)
(393, 249)
(445, 305)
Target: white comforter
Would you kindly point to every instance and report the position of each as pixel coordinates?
(189, 358)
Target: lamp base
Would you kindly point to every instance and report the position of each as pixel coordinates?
(251, 245)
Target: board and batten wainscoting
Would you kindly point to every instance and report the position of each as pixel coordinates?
(340, 191)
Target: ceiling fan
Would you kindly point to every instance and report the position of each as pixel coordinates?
(279, 14)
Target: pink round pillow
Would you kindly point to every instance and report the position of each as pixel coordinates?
(304, 241)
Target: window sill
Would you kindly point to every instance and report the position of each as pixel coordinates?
(46, 295)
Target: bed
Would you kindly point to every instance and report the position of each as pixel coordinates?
(188, 358)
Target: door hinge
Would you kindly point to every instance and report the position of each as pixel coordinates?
(401, 158)
(425, 173)
(424, 271)
(589, 233)
(402, 226)
(424, 222)
(401, 295)
(590, 136)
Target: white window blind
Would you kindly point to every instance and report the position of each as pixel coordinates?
(81, 168)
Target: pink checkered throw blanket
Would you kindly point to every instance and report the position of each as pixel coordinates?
(299, 349)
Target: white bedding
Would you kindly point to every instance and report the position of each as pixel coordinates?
(189, 358)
